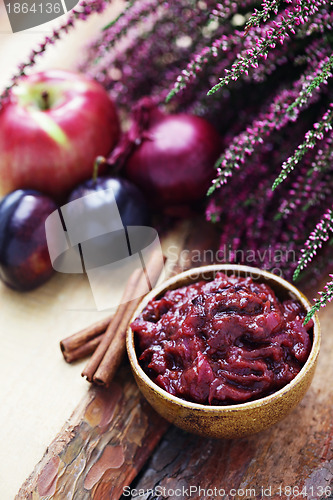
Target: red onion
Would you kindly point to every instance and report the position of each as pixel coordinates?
(173, 156)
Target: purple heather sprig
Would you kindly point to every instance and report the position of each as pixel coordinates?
(314, 182)
(284, 25)
(321, 75)
(160, 45)
(261, 16)
(224, 44)
(317, 238)
(321, 190)
(223, 51)
(123, 13)
(320, 23)
(119, 28)
(322, 162)
(311, 137)
(248, 58)
(325, 296)
(243, 145)
(225, 10)
(256, 239)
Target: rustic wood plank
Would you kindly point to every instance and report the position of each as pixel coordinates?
(297, 452)
(108, 439)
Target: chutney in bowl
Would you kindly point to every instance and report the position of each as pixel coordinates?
(222, 351)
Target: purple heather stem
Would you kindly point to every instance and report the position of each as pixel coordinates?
(314, 135)
(318, 236)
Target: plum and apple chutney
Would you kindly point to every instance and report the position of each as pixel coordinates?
(225, 341)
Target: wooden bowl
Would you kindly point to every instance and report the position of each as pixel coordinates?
(233, 420)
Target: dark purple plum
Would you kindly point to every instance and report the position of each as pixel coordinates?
(24, 258)
(99, 215)
(131, 203)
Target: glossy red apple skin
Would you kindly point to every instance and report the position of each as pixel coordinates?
(24, 257)
(54, 149)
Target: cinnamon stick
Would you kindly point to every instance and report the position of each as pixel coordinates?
(107, 357)
(81, 338)
(84, 350)
(99, 353)
(116, 349)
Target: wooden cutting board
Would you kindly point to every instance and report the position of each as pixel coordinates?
(113, 434)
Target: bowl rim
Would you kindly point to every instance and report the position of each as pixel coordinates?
(163, 287)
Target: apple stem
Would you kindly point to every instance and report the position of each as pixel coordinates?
(45, 100)
(100, 160)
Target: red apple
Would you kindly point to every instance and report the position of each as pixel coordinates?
(52, 129)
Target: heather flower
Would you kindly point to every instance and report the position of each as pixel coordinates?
(284, 25)
(311, 138)
(315, 241)
(321, 74)
(276, 117)
(325, 296)
(223, 11)
(262, 16)
(314, 182)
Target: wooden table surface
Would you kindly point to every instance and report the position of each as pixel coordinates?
(89, 441)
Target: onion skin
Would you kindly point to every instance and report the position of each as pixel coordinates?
(174, 161)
